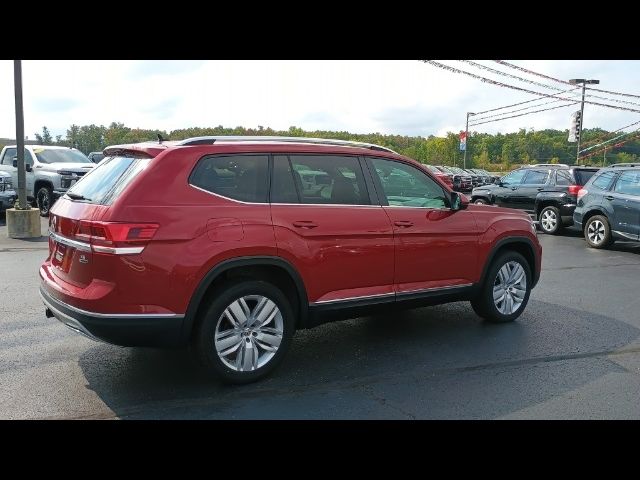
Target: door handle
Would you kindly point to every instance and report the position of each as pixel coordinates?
(304, 224)
(514, 188)
(609, 197)
(540, 189)
(403, 223)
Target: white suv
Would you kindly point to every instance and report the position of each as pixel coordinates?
(51, 170)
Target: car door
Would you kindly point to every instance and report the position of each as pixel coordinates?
(625, 201)
(328, 227)
(6, 165)
(505, 192)
(533, 183)
(435, 246)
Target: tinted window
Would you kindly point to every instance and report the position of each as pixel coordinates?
(9, 153)
(105, 182)
(628, 183)
(326, 179)
(536, 177)
(514, 178)
(241, 177)
(60, 155)
(603, 181)
(283, 188)
(406, 186)
(563, 177)
(583, 176)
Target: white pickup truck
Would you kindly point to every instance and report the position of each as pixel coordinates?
(51, 170)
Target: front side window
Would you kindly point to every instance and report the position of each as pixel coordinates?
(318, 179)
(11, 153)
(536, 177)
(406, 186)
(628, 183)
(513, 178)
(240, 177)
(603, 181)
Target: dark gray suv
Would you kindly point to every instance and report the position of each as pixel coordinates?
(609, 206)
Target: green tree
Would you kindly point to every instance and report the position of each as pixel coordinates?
(45, 138)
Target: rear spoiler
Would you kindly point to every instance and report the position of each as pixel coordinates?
(142, 150)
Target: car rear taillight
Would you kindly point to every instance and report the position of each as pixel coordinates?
(116, 238)
(582, 192)
(574, 189)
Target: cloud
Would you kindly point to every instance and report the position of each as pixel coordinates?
(164, 109)
(55, 104)
(163, 67)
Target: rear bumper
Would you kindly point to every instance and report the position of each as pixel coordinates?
(127, 330)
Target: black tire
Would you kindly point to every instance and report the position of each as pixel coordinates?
(204, 344)
(480, 201)
(44, 200)
(550, 221)
(600, 223)
(484, 305)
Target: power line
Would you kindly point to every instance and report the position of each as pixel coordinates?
(520, 109)
(607, 141)
(602, 137)
(619, 144)
(522, 114)
(531, 72)
(528, 101)
(505, 74)
(513, 87)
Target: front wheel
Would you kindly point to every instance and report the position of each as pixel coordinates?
(506, 289)
(245, 331)
(44, 200)
(481, 201)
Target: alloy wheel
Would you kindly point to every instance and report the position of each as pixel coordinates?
(509, 288)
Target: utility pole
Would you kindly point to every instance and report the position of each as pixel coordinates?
(604, 157)
(466, 141)
(584, 82)
(22, 176)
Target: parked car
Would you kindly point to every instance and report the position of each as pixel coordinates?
(609, 206)
(51, 170)
(485, 177)
(461, 180)
(7, 193)
(218, 243)
(476, 179)
(447, 178)
(548, 194)
(95, 157)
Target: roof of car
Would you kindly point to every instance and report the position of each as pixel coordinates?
(47, 147)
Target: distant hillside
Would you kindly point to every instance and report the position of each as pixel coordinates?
(12, 141)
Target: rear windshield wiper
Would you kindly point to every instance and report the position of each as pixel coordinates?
(75, 196)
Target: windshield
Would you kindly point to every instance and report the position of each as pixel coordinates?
(60, 155)
(456, 170)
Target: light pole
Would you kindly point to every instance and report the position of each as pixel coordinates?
(584, 82)
(466, 141)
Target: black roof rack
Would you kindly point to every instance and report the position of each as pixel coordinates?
(618, 165)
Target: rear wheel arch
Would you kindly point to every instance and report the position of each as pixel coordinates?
(591, 213)
(274, 270)
(522, 245)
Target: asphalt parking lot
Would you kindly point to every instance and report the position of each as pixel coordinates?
(573, 354)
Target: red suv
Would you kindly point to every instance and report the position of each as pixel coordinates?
(230, 244)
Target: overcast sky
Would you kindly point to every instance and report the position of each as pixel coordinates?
(392, 97)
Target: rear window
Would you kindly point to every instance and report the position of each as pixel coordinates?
(583, 176)
(108, 179)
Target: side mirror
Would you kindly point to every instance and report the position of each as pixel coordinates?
(15, 162)
(27, 167)
(458, 201)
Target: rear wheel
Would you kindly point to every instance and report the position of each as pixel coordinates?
(550, 221)
(597, 232)
(506, 289)
(481, 201)
(245, 331)
(44, 200)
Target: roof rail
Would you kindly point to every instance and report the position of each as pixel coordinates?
(625, 165)
(550, 165)
(259, 138)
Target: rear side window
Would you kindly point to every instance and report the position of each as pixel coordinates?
(107, 180)
(628, 183)
(536, 177)
(603, 181)
(563, 177)
(583, 176)
(239, 177)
